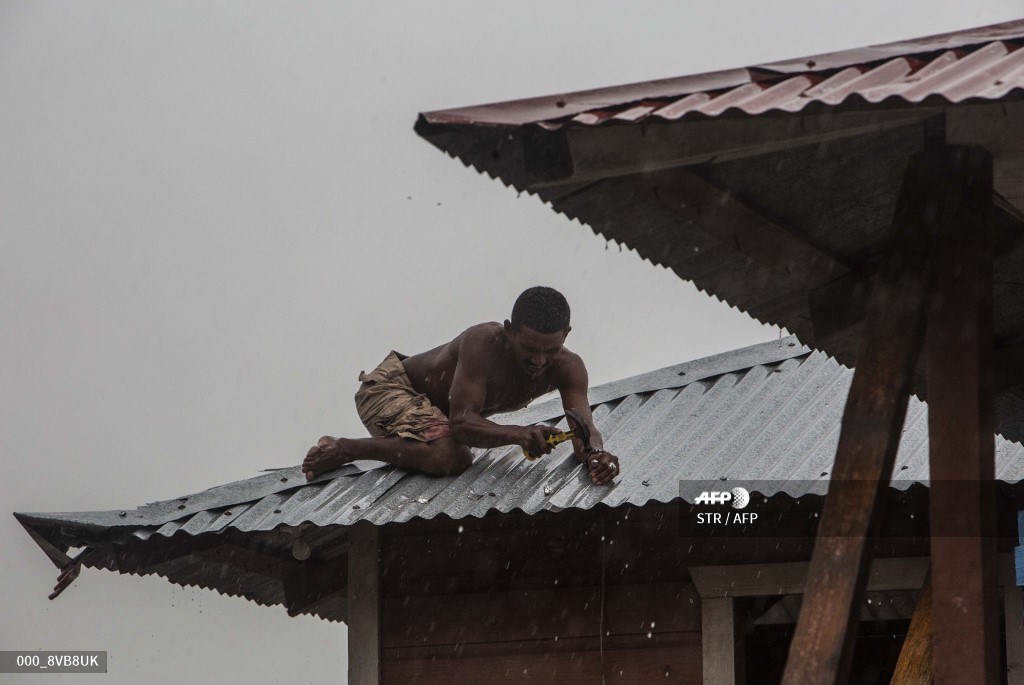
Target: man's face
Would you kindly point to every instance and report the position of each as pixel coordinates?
(534, 351)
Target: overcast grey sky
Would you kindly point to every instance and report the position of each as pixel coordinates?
(214, 215)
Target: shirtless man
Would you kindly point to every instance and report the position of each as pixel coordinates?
(426, 411)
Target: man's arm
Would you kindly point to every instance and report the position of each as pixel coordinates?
(468, 394)
(603, 466)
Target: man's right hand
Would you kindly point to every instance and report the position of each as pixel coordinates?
(534, 439)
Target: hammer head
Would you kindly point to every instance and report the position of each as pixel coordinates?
(579, 427)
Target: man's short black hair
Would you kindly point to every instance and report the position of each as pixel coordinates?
(543, 309)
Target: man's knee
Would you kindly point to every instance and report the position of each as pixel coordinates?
(452, 458)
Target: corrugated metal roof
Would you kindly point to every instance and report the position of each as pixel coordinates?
(770, 412)
(984, 63)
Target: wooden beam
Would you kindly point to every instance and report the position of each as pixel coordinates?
(790, 578)
(838, 308)
(869, 437)
(721, 647)
(599, 152)
(1013, 610)
(364, 604)
(742, 228)
(996, 127)
(914, 666)
(960, 422)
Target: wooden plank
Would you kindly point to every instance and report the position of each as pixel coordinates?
(789, 578)
(744, 229)
(548, 646)
(671, 665)
(364, 605)
(599, 152)
(914, 666)
(838, 308)
(1013, 610)
(721, 650)
(960, 425)
(539, 614)
(996, 127)
(869, 437)
(754, 580)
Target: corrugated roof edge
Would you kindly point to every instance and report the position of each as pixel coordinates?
(563, 105)
(251, 489)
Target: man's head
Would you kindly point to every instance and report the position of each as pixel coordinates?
(538, 328)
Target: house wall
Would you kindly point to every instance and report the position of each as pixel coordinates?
(542, 636)
(526, 599)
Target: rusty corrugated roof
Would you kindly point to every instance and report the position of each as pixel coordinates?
(985, 63)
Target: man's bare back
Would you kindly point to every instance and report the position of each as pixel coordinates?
(487, 369)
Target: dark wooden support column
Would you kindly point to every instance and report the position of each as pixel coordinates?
(915, 663)
(1013, 609)
(364, 604)
(868, 440)
(960, 423)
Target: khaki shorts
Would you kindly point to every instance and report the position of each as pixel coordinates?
(388, 404)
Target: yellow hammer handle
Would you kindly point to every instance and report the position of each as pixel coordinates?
(556, 439)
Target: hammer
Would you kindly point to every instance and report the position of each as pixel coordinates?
(578, 429)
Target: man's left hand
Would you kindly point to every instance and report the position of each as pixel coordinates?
(603, 467)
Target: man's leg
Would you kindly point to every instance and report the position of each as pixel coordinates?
(440, 457)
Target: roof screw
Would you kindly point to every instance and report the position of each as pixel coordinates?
(227, 513)
(181, 506)
(277, 511)
(682, 373)
(647, 483)
(284, 480)
(122, 513)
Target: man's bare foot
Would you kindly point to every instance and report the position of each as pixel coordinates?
(328, 454)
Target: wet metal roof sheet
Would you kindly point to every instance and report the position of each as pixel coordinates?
(767, 413)
(770, 412)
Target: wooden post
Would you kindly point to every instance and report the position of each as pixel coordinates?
(914, 666)
(868, 440)
(960, 424)
(720, 644)
(1013, 610)
(364, 604)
